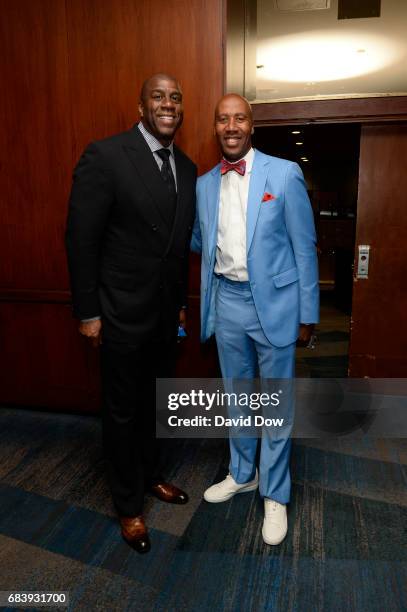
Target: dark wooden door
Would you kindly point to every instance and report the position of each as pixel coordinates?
(378, 346)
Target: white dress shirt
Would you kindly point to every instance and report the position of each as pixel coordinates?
(231, 259)
(155, 145)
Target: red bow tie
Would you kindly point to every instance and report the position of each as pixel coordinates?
(239, 166)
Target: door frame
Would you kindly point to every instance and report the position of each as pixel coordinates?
(347, 110)
(378, 110)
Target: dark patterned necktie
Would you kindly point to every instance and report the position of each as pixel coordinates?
(168, 177)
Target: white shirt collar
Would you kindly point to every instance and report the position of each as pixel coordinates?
(153, 143)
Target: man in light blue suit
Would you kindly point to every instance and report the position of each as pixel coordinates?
(259, 289)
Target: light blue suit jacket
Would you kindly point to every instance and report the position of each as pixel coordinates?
(281, 248)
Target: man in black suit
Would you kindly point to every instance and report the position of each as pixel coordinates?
(130, 218)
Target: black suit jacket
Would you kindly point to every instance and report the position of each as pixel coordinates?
(128, 263)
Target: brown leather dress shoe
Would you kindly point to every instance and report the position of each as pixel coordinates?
(169, 493)
(134, 531)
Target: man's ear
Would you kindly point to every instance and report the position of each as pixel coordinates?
(140, 109)
(252, 132)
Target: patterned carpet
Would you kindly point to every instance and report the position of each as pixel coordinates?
(346, 549)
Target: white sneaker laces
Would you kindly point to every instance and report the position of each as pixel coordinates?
(228, 478)
(270, 506)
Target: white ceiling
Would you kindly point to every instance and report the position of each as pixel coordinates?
(310, 54)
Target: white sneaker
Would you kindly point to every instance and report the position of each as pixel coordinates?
(226, 489)
(275, 522)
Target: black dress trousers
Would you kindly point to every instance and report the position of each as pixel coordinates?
(128, 417)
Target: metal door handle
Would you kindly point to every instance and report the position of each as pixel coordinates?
(363, 261)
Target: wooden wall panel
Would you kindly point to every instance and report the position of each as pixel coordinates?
(44, 361)
(378, 329)
(35, 144)
(113, 46)
(73, 71)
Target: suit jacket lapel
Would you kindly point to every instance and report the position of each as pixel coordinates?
(257, 185)
(183, 180)
(147, 168)
(213, 197)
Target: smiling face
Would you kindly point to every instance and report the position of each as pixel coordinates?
(233, 126)
(161, 107)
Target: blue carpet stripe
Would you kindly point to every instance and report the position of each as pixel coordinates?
(321, 524)
(365, 529)
(79, 534)
(223, 581)
(350, 474)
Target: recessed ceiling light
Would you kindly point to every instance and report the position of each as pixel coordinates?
(299, 143)
(326, 55)
(296, 132)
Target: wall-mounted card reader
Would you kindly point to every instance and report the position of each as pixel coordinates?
(363, 261)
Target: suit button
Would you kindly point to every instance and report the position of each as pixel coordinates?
(160, 286)
(154, 228)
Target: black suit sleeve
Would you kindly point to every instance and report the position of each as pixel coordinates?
(89, 206)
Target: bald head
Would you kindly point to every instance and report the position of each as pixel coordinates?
(233, 98)
(234, 126)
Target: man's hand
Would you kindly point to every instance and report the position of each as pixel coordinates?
(92, 330)
(183, 317)
(305, 334)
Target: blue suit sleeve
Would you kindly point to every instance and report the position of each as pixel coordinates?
(299, 220)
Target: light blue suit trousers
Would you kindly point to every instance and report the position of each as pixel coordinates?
(245, 352)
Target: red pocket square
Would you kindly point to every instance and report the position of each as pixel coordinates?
(268, 196)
